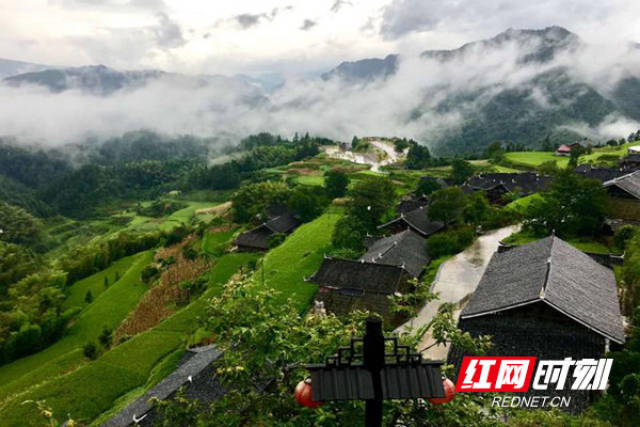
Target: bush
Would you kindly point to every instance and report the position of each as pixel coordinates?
(148, 273)
(276, 239)
(106, 337)
(450, 243)
(90, 351)
(336, 183)
(88, 297)
(622, 236)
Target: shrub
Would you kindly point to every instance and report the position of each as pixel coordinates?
(622, 236)
(88, 297)
(349, 233)
(90, 351)
(276, 239)
(148, 273)
(450, 243)
(106, 337)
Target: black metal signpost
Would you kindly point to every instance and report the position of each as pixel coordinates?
(374, 375)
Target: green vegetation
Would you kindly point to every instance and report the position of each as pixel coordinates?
(285, 267)
(108, 309)
(126, 367)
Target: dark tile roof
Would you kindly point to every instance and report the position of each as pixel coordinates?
(629, 183)
(419, 221)
(283, 223)
(258, 237)
(407, 249)
(358, 276)
(601, 174)
(398, 382)
(345, 301)
(197, 360)
(552, 271)
(410, 204)
(526, 182)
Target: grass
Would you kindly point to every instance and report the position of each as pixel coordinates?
(108, 309)
(95, 283)
(584, 244)
(285, 267)
(523, 202)
(214, 242)
(317, 180)
(536, 158)
(125, 372)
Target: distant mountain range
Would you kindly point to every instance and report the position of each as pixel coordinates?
(513, 113)
(549, 99)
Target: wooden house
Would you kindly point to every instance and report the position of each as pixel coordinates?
(624, 196)
(387, 267)
(417, 220)
(194, 372)
(545, 299)
(257, 239)
(497, 185)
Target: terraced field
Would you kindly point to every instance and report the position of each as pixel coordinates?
(285, 267)
(119, 375)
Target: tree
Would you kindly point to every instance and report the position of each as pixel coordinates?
(336, 183)
(265, 341)
(494, 151)
(461, 170)
(252, 201)
(349, 233)
(574, 206)
(106, 337)
(418, 157)
(371, 199)
(447, 205)
(306, 202)
(17, 225)
(427, 185)
(88, 297)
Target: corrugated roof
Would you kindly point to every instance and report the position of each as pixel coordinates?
(407, 249)
(629, 183)
(404, 381)
(552, 271)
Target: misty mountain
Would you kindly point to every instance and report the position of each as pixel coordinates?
(549, 103)
(364, 69)
(10, 67)
(95, 79)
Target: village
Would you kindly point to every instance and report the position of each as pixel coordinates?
(268, 286)
(544, 297)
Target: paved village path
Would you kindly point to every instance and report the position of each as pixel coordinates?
(457, 279)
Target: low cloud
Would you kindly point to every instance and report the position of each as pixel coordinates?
(406, 104)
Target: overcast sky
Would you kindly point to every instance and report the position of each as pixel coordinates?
(259, 36)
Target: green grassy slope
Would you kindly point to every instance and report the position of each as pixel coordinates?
(108, 309)
(286, 266)
(95, 283)
(95, 387)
